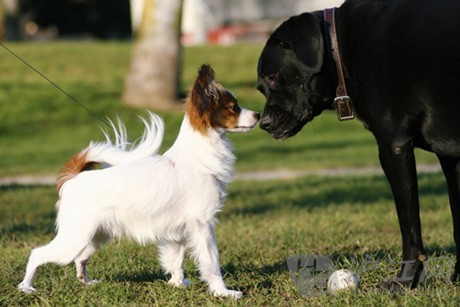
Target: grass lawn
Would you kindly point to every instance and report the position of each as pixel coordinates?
(350, 219)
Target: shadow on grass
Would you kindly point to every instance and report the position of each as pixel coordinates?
(316, 192)
(32, 228)
(344, 257)
(27, 209)
(440, 264)
(292, 148)
(140, 276)
(20, 187)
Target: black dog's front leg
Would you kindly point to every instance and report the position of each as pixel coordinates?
(451, 169)
(398, 163)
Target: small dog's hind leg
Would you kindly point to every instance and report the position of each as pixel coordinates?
(204, 249)
(82, 260)
(172, 260)
(62, 250)
(81, 263)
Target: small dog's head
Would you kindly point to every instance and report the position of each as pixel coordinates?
(210, 105)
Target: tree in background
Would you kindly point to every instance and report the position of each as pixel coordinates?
(153, 77)
(9, 19)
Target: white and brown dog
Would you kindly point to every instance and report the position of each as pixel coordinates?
(168, 199)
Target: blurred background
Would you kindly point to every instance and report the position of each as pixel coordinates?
(120, 57)
(215, 21)
(159, 30)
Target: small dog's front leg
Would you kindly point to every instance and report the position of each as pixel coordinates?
(205, 252)
(172, 259)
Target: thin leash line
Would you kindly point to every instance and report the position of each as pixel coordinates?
(56, 86)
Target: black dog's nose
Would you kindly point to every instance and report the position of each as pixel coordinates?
(266, 122)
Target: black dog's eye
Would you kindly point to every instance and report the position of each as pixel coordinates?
(272, 77)
(272, 80)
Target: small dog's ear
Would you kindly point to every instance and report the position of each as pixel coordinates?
(205, 75)
(203, 98)
(204, 92)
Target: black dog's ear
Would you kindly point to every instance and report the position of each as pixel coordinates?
(302, 34)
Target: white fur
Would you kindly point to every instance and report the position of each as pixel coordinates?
(170, 200)
(245, 121)
(122, 151)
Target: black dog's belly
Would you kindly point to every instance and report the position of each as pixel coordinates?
(442, 145)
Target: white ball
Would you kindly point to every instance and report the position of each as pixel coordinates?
(342, 280)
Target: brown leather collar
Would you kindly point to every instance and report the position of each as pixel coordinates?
(342, 101)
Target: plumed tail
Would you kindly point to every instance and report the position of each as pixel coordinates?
(77, 164)
(120, 151)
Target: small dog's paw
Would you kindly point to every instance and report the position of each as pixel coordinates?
(92, 282)
(229, 293)
(87, 281)
(26, 288)
(179, 283)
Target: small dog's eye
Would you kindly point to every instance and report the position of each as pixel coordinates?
(235, 108)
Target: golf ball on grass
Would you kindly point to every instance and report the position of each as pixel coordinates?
(342, 280)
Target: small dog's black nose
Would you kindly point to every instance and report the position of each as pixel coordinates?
(256, 116)
(266, 122)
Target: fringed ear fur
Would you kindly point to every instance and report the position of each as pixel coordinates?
(206, 76)
(203, 98)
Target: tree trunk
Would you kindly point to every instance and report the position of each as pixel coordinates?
(10, 20)
(153, 77)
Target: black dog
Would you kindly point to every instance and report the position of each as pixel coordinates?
(401, 66)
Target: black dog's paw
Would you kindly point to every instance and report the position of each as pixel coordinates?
(397, 286)
(409, 277)
(455, 278)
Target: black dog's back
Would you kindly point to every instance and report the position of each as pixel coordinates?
(407, 64)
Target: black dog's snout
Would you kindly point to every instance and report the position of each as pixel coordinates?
(265, 122)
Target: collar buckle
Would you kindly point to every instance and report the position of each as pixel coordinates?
(344, 108)
(342, 102)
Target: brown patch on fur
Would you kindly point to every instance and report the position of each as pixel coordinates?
(77, 164)
(209, 104)
(227, 112)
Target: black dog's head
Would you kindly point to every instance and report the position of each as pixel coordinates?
(292, 77)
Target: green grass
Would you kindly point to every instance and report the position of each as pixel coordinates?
(351, 220)
(40, 127)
